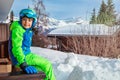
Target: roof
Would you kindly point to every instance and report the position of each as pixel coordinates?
(5, 6)
(87, 29)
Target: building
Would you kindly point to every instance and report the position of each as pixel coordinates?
(89, 39)
(5, 7)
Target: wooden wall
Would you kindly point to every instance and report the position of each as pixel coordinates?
(4, 36)
(104, 45)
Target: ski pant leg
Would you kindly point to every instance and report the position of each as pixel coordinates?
(41, 64)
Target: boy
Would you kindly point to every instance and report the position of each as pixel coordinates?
(20, 42)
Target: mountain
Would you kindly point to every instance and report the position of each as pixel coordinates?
(54, 23)
(77, 20)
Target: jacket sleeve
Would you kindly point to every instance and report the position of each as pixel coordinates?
(17, 38)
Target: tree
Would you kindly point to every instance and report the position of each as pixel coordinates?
(106, 14)
(93, 18)
(110, 8)
(41, 11)
(102, 15)
(110, 12)
(42, 21)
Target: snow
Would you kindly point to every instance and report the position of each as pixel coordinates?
(54, 23)
(84, 29)
(71, 66)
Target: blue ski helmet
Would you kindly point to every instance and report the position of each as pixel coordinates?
(30, 14)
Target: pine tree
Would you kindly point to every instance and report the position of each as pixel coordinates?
(106, 14)
(93, 18)
(110, 13)
(102, 15)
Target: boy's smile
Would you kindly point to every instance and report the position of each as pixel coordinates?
(27, 22)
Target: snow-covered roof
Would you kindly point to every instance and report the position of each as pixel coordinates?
(5, 6)
(84, 29)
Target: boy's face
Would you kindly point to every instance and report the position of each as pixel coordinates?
(27, 22)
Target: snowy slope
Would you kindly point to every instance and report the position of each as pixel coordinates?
(70, 66)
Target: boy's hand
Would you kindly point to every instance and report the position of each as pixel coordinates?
(28, 69)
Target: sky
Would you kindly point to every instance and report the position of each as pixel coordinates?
(63, 9)
(71, 66)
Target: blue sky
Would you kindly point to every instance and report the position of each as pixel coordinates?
(63, 9)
